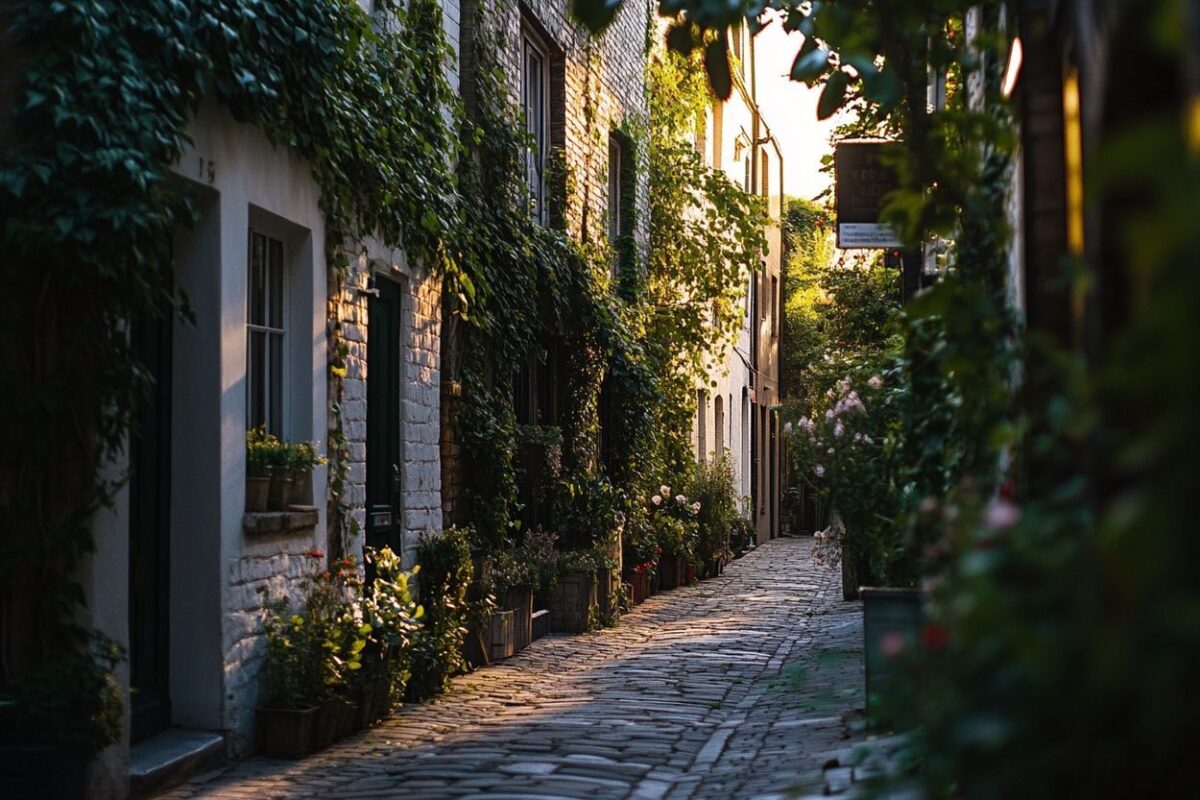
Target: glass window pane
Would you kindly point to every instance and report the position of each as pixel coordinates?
(256, 360)
(275, 276)
(258, 283)
(275, 392)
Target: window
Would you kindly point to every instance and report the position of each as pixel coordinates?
(766, 176)
(774, 307)
(535, 96)
(701, 420)
(616, 197)
(719, 424)
(264, 335)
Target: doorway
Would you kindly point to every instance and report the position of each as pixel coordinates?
(150, 533)
(384, 416)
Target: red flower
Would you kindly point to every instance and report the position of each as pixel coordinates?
(314, 553)
(933, 637)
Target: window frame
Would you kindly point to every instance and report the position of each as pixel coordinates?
(537, 158)
(268, 331)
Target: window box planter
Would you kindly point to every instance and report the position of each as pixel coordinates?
(520, 602)
(287, 732)
(891, 624)
(573, 603)
(258, 488)
(300, 491)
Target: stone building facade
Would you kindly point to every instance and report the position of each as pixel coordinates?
(182, 573)
(584, 100)
(738, 417)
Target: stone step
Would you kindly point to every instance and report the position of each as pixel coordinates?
(170, 757)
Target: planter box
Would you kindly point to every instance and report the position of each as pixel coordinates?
(500, 635)
(374, 702)
(335, 720)
(540, 623)
(639, 587)
(301, 489)
(475, 646)
(891, 625)
(279, 495)
(287, 732)
(670, 572)
(689, 573)
(573, 602)
(257, 491)
(606, 599)
(521, 604)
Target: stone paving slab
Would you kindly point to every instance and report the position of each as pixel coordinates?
(740, 686)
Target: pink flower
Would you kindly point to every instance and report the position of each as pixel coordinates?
(656, 500)
(819, 470)
(1001, 515)
(875, 382)
(838, 428)
(806, 423)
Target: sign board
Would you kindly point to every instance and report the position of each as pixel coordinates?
(861, 180)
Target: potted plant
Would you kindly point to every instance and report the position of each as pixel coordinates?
(573, 603)
(445, 577)
(259, 458)
(55, 717)
(395, 617)
(301, 459)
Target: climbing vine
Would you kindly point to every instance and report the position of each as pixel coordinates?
(89, 205)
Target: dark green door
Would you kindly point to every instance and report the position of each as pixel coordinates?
(149, 533)
(384, 362)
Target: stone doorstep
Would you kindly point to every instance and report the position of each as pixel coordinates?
(170, 757)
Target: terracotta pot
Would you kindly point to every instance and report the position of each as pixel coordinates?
(670, 571)
(287, 732)
(689, 573)
(639, 587)
(257, 489)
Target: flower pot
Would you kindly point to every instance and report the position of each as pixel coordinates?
(33, 771)
(891, 628)
(300, 492)
(639, 587)
(475, 648)
(500, 635)
(280, 494)
(605, 597)
(669, 571)
(287, 732)
(520, 602)
(257, 489)
(573, 602)
(689, 572)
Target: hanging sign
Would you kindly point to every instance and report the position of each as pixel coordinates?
(861, 180)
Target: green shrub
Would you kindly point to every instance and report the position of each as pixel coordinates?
(445, 578)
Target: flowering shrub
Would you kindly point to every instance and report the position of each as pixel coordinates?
(848, 450)
(673, 520)
(715, 503)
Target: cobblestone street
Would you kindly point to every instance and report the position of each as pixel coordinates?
(740, 686)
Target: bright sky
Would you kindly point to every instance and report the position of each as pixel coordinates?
(790, 109)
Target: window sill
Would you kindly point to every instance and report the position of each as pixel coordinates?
(295, 520)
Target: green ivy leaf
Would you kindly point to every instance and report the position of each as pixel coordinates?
(833, 95)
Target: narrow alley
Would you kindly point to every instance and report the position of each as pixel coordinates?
(740, 686)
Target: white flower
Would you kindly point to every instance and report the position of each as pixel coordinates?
(829, 414)
(1001, 515)
(657, 500)
(928, 505)
(838, 429)
(787, 429)
(680, 499)
(819, 470)
(696, 506)
(806, 423)
(664, 489)
(875, 382)
(829, 451)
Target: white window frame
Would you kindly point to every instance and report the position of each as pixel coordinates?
(272, 393)
(535, 107)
